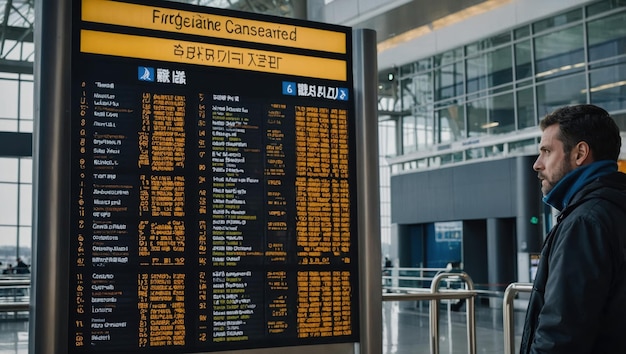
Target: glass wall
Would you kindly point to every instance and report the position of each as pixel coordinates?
(16, 116)
(15, 210)
(498, 88)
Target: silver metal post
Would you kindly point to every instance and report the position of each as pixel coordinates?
(508, 319)
(365, 92)
(470, 312)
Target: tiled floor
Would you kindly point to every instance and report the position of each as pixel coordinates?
(406, 329)
(13, 333)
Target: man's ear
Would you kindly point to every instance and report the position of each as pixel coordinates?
(583, 154)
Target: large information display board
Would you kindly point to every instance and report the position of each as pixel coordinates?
(213, 181)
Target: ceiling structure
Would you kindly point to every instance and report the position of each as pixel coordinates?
(17, 19)
(16, 36)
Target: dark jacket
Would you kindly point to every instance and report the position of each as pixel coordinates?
(578, 301)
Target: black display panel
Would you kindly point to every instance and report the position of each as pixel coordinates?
(213, 181)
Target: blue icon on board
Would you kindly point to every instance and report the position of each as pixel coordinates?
(145, 73)
(343, 94)
(289, 88)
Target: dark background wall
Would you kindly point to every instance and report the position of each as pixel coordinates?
(474, 191)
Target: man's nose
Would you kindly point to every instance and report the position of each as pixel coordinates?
(537, 165)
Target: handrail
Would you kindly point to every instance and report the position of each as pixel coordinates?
(434, 295)
(14, 282)
(507, 313)
(470, 311)
(14, 306)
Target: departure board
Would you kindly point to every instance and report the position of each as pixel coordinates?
(213, 181)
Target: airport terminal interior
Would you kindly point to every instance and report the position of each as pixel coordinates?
(462, 86)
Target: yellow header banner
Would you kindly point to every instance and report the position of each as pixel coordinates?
(170, 50)
(210, 25)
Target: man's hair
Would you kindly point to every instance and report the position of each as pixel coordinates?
(587, 123)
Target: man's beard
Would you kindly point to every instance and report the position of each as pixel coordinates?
(564, 168)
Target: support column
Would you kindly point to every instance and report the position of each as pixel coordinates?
(529, 210)
(500, 256)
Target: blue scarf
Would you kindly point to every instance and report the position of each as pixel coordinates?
(575, 180)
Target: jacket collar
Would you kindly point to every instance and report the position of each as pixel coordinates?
(563, 192)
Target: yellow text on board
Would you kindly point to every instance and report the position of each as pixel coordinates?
(171, 50)
(210, 25)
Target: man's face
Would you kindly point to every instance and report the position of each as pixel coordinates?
(552, 163)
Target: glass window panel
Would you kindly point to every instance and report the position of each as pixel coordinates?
(493, 115)
(451, 123)
(26, 100)
(26, 170)
(501, 114)
(11, 50)
(471, 49)
(495, 150)
(25, 244)
(409, 134)
(608, 87)
(499, 39)
(449, 81)
(522, 32)
(604, 6)
(28, 51)
(424, 64)
(8, 237)
(26, 205)
(607, 37)
(451, 158)
(477, 117)
(426, 123)
(559, 53)
(528, 146)
(526, 108)
(26, 126)
(523, 60)
(8, 98)
(417, 91)
(8, 207)
(387, 138)
(4, 75)
(407, 69)
(407, 94)
(475, 153)
(448, 57)
(8, 125)
(8, 169)
(561, 92)
(418, 130)
(558, 20)
(488, 43)
(489, 70)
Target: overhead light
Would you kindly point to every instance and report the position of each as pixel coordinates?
(563, 68)
(490, 125)
(390, 76)
(605, 86)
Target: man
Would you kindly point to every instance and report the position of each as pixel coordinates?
(578, 301)
(21, 267)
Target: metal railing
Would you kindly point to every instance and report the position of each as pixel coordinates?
(14, 294)
(406, 279)
(507, 313)
(434, 295)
